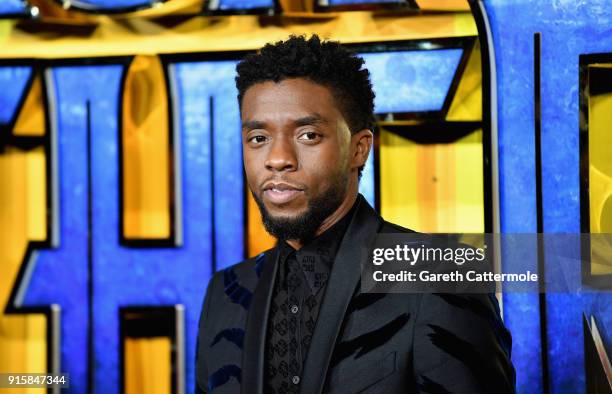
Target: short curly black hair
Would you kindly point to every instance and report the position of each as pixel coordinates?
(324, 62)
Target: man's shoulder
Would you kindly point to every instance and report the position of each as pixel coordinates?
(247, 270)
(388, 227)
(246, 264)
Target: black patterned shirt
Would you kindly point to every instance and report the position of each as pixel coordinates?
(298, 292)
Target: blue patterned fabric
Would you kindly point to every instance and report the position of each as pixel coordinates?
(234, 290)
(233, 335)
(223, 375)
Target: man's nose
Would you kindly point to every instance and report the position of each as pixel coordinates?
(281, 156)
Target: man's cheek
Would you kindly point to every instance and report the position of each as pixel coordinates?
(252, 183)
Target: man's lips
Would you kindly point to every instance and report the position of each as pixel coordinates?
(280, 193)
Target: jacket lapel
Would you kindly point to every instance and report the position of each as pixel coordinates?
(341, 284)
(256, 325)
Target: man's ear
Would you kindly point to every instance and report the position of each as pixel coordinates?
(361, 143)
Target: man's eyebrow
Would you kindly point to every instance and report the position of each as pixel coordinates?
(310, 120)
(303, 121)
(253, 124)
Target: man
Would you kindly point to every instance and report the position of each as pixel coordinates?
(294, 319)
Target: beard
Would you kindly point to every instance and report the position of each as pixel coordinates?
(304, 227)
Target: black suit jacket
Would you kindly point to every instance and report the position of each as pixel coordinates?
(362, 342)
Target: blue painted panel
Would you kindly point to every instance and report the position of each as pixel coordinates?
(158, 276)
(367, 183)
(411, 81)
(121, 276)
(517, 190)
(110, 5)
(13, 80)
(522, 317)
(61, 275)
(198, 82)
(568, 30)
(356, 2)
(245, 4)
(11, 7)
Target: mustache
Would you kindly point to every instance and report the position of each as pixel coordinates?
(283, 182)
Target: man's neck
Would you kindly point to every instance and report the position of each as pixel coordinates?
(329, 221)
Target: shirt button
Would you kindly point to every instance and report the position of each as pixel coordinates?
(295, 379)
(294, 309)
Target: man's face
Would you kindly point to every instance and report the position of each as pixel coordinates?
(296, 146)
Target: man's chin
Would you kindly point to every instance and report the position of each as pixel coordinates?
(298, 219)
(288, 211)
(288, 223)
(281, 215)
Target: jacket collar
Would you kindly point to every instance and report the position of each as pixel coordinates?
(341, 285)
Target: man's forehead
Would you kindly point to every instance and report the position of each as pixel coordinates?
(293, 89)
(297, 100)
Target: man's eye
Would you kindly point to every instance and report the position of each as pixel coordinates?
(258, 139)
(309, 136)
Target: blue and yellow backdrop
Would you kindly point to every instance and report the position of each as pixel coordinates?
(122, 187)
